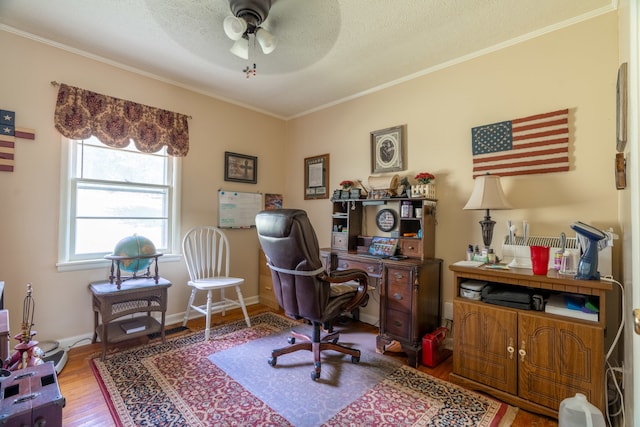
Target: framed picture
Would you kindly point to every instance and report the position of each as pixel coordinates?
(316, 177)
(240, 168)
(272, 201)
(387, 150)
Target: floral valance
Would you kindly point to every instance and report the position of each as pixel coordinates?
(81, 113)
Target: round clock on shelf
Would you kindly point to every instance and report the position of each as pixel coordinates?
(386, 220)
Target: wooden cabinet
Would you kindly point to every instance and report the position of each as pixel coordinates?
(528, 358)
(265, 283)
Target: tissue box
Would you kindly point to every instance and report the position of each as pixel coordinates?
(433, 351)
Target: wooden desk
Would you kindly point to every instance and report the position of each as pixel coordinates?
(409, 297)
(134, 296)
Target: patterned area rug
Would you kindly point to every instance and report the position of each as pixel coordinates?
(227, 381)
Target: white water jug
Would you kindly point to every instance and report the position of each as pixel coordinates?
(578, 412)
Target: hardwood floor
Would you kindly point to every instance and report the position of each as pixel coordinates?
(85, 405)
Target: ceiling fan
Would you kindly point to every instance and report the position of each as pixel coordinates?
(244, 26)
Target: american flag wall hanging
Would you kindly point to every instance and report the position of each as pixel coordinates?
(8, 134)
(530, 145)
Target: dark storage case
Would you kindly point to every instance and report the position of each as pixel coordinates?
(31, 397)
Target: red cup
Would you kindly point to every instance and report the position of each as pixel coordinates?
(540, 259)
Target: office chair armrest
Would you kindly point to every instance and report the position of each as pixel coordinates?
(360, 276)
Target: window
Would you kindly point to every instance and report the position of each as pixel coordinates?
(110, 193)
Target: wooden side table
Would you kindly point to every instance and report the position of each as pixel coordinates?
(133, 296)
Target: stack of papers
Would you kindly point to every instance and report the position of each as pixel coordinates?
(567, 305)
(465, 263)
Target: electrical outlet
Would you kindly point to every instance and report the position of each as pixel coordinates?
(448, 310)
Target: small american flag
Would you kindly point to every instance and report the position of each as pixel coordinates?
(7, 149)
(534, 144)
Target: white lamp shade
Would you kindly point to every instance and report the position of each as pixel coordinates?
(266, 40)
(487, 194)
(234, 27)
(241, 48)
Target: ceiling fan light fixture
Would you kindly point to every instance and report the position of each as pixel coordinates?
(266, 40)
(234, 27)
(241, 48)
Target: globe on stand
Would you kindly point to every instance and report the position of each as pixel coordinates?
(132, 255)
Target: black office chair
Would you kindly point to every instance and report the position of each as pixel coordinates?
(302, 286)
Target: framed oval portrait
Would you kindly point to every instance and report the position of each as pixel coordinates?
(387, 150)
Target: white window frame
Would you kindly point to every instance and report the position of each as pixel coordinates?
(67, 195)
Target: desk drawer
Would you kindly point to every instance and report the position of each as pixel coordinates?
(398, 323)
(411, 247)
(399, 289)
(340, 241)
(372, 268)
(399, 297)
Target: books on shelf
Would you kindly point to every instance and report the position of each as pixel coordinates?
(135, 325)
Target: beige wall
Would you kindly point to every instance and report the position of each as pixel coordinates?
(571, 68)
(29, 197)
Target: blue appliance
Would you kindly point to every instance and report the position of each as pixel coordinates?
(588, 264)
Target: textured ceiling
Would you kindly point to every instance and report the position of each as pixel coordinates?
(328, 50)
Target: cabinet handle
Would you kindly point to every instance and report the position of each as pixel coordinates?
(267, 288)
(511, 349)
(397, 323)
(411, 247)
(399, 275)
(522, 352)
(397, 296)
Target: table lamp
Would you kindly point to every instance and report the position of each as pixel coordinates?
(487, 194)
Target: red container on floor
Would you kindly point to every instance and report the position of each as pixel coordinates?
(32, 397)
(433, 351)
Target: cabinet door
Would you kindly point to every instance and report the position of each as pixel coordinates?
(559, 359)
(485, 344)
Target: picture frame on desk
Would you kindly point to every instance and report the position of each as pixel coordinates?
(316, 177)
(387, 150)
(240, 168)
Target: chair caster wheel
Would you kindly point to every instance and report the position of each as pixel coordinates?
(355, 359)
(335, 340)
(315, 375)
(272, 361)
(291, 340)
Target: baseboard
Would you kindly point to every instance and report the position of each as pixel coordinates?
(370, 319)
